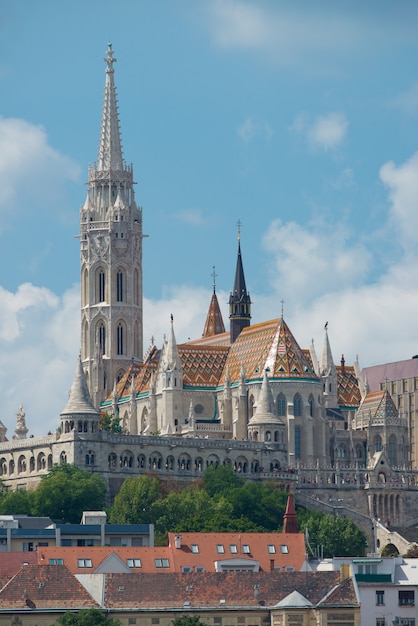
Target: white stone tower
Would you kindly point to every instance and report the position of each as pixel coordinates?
(111, 258)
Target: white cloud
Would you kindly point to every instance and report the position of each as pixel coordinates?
(324, 133)
(193, 217)
(252, 128)
(39, 343)
(29, 166)
(402, 182)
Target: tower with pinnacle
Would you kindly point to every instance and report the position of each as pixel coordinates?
(239, 299)
(111, 258)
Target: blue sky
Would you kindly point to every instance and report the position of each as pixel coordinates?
(299, 119)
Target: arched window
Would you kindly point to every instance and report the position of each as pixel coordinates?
(119, 286)
(297, 405)
(341, 451)
(281, 405)
(102, 338)
(136, 287)
(378, 445)
(90, 457)
(298, 442)
(120, 339)
(100, 286)
(112, 460)
(311, 406)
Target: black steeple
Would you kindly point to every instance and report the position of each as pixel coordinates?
(239, 300)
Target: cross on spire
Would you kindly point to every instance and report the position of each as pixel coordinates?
(239, 224)
(214, 275)
(282, 302)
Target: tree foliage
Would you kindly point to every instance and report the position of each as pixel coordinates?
(67, 491)
(218, 480)
(87, 617)
(20, 502)
(412, 552)
(134, 502)
(337, 536)
(110, 423)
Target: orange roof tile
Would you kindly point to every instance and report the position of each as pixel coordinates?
(348, 390)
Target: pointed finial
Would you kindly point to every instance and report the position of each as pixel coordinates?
(214, 275)
(326, 326)
(172, 318)
(109, 59)
(282, 301)
(239, 224)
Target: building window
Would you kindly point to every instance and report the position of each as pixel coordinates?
(407, 598)
(120, 339)
(233, 548)
(281, 405)
(133, 562)
(195, 548)
(56, 561)
(271, 548)
(378, 445)
(220, 549)
(102, 285)
(380, 621)
(119, 287)
(284, 549)
(246, 548)
(380, 598)
(297, 406)
(161, 563)
(84, 563)
(102, 338)
(186, 569)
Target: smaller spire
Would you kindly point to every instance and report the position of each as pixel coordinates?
(79, 401)
(239, 299)
(290, 520)
(214, 324)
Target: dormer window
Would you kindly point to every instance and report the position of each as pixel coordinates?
(133, 562)
(271, 548)
(220, 549)
(246, 548)
(284, 549)
(194, 548)
(233, 548)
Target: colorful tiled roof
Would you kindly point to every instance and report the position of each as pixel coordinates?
(214, 324)
(268, 345)
(348, 390)
(378, 407)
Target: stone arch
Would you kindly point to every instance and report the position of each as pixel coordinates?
(212, 459)
(90, 458)
(21, 464)
(170, 463)
(241, 465)
(142, 461)
(155, 461)
(100, 284)
(50, 461)
(3, 467)
(121, 337)
(41, 461)
(63, 457)
(342, 451)
(267, 435)
(184, 463)
(198, 464)
(126, 459)
(311, 403)
(32, 462)
(275, 465)
(11, 466)
(112, 461)
(297, 405)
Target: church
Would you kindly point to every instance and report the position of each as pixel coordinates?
(248, 396)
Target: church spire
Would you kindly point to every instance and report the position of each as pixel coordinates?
(110, 148)
(239, 300)
(214, 323)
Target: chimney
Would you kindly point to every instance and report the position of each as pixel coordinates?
(177, 541)
(345, 571)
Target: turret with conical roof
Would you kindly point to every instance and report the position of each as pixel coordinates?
(328, 373)
(239, 300)
(214, 323)
(79, 413)
(111, 258)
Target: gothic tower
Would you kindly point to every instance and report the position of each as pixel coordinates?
(239, 300)
(111, 258)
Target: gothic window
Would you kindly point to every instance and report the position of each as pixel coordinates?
(281, 405)
(169, 464)
(102, 338)
(41, 463)
(359, 451)
(21, 464)
(3, 467)
(112, 460)
(392, 450)
(120, 339)
(251, 406)
(378, 445)
(267, 435)
(90, 458)
(127, 459)
(11, 467)
(63, 458)
(49, 461)
(119, 286)
(101, 286)
(341, 451)
(85, 298)
(297, 442)
(311, 406)
(297, 405)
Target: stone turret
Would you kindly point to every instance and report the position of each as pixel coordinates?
(79, 413)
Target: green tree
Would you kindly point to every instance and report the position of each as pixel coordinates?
(87, 617)
(110, 423)
(218, 480)
(412, 552)
(133, 503)
(188, 620)
(67, 491)
(17, 502)
(262, 503)
(338, 536)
